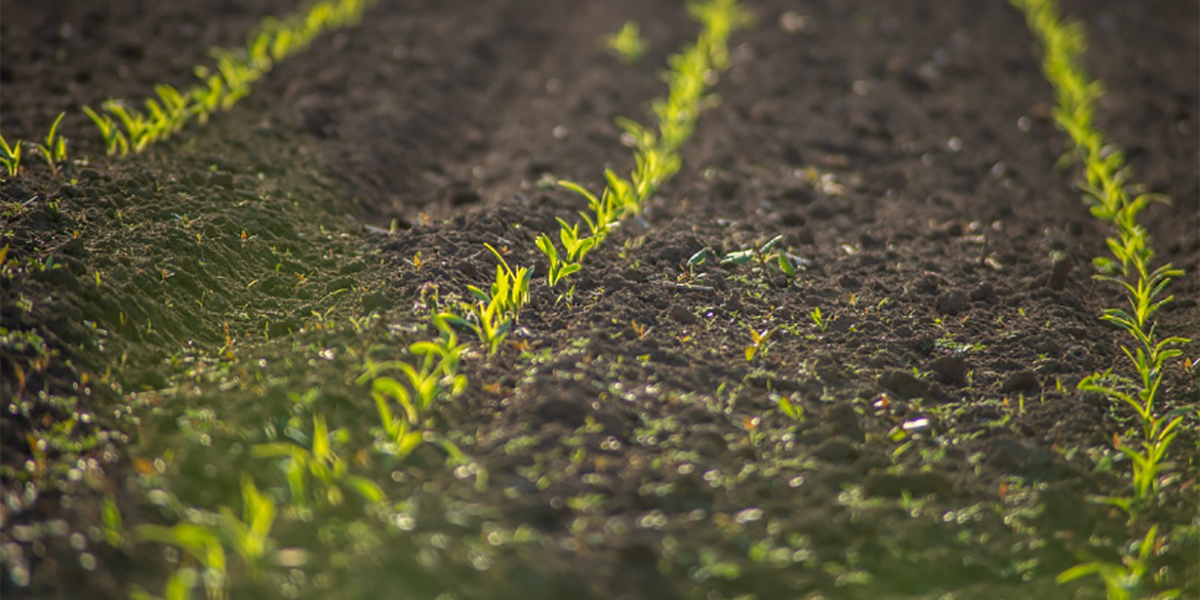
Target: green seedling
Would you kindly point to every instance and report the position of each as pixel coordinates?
(321, 463)
(10, 157)
(574, 249)
(789, 408)
(206, 98)
(202, 545)
(766, 255)
(720, 18)
(760, 340)
(173, 106)
(819, 320)
(54, 150)
(114, 140)
(510, 288)
(486, 320)
(110, 519)
(137, 127)
(1127, 580)
(627, 43)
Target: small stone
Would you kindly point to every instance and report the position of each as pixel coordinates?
(376, 301)
(837, 449)
(952, 303)
(223, 180)
(849, 282)
(570, 411)
(950, 369)
(614, 283)
(1060, 274)
(984, 292)
(842, 420)
(890, 485)
(1024, 380)
(683, 315)
(904, 384)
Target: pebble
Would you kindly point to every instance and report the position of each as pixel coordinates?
(950, 369)
(952, 303)
(1024, 380)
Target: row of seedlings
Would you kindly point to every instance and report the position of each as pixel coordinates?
(126, 127)
(1113, 199)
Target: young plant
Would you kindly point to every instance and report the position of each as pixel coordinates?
(760, 340)
(54, 150)
(10, 157)
(627, 43)
(766, 255)
(320, 462)
(1127, 580)
(819, 320)
(574, 249)
(510, 288)
(114, 140)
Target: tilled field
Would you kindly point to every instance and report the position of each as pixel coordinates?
(910, 428)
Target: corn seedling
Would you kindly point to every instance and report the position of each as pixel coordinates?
(321, 463)
(820, 321)
(789, 408)
(574, 249)
(10, 157)
(54, 150)
(627, 43)
(760, 340)
(114, 140)
(1125, 581)
(202, 545)
(1112, 199)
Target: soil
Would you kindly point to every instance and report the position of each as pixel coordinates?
(166, 312)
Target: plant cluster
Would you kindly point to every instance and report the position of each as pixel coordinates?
(1111, 198)
(656, 153)
(492, 313)
(125, 127)
(767, 254)
(53, 150)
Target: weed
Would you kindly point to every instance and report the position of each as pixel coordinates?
(767, 254)
(819, 320)
(760, 341)
(10, 157)
(627, 43)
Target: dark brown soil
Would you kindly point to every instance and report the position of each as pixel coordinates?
(214, 292)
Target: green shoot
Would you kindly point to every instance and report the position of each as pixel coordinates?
(627, 43)
(1125, 581)
(54, 150)
(10, 157)
(819, 320)
(760, 340)
(114, 140)
(575, 248)
(789, 408)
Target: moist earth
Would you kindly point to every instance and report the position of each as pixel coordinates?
(166, 312)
